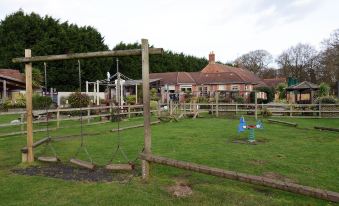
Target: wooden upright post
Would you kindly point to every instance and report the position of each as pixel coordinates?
(29, 93)
(145, 165)
(256, 105)
(217, 104)
(4, 90)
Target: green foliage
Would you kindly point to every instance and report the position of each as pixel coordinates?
(326, 100)
(202, 99)
(168, 62)
(130, 99)
(41, 102)
(281, 88)
(270, 91)
(20, 102)
(153, 105)
(154, 94)
(77, 100)
(188, 97)
(266, 112)
(46, 36)
(239, 99)
(324, 89)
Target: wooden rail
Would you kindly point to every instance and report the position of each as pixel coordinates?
(133, 126)
(327, 128)
(283, 122)
(252, 179)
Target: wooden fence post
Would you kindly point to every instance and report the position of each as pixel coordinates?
(129, 111)
(291, 110)
(29, 109)
(88, 114)
(58, 118)
(236, 108)
(320, 109)
(159, 109)
(217, 104)
(22, 120)
(256, 105)
(145, 165)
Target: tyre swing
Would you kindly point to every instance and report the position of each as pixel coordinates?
(74, 160)
(119, 166)
(48, 139)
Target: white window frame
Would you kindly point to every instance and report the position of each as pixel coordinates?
(235, 87)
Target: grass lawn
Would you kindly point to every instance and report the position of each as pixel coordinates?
(302, 154)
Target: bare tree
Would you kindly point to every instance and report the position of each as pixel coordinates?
(329, 57)
(300, 61)
(255, 61)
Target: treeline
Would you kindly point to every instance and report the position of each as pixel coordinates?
(47, 36)
(301, 61)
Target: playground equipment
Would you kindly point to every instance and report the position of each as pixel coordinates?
(242, 126)
(146, 155)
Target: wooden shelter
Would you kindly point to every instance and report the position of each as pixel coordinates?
(302, 93)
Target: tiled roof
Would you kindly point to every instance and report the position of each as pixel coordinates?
(212, 74)
(12, 74)
(274, 82)
(303, 85)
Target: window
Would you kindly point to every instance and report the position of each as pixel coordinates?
(186, 88)
(221, 87)
(235, 87)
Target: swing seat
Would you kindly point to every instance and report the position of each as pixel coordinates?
(82, 163)
(120, 167)
(48, 159)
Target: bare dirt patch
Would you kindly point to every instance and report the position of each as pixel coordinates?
(180, 189)
(245, 141)
(67, 172)
(277, 176)
(257, 162)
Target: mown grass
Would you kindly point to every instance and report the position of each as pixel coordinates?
(305, 155)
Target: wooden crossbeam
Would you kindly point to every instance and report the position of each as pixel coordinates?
(130, 52)
(252, 179)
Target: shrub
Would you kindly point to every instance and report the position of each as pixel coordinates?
(239, 99)
(281, 87)
(131, 99)
(202, 99)
(326, 100)
(154, 94)
(266, 112)
(324, 89)
(153, 105)
(188, 97)
(77, 100)
(270, 91)
(41, 102)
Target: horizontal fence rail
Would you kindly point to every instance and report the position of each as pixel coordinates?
(214, 108)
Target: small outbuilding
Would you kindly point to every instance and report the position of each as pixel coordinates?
(302, 93)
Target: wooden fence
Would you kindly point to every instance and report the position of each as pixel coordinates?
(217, 109)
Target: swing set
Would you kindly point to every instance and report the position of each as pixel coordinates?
(145, 51)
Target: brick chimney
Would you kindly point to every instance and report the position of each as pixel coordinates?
(211, 58)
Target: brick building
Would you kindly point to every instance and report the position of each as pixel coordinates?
(214, 77)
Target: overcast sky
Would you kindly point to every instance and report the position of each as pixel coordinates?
(227, 27)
